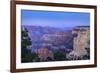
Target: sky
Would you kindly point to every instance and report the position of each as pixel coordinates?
(54, 19)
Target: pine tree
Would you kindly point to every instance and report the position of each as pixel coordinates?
(26, 55)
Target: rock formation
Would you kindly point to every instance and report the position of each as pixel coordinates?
(81, 40)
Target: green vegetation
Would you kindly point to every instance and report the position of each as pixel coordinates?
(59, 55)
(26, 54)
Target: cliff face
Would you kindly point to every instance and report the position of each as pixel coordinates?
(81, 39)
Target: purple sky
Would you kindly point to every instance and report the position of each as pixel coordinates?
(54, 19)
